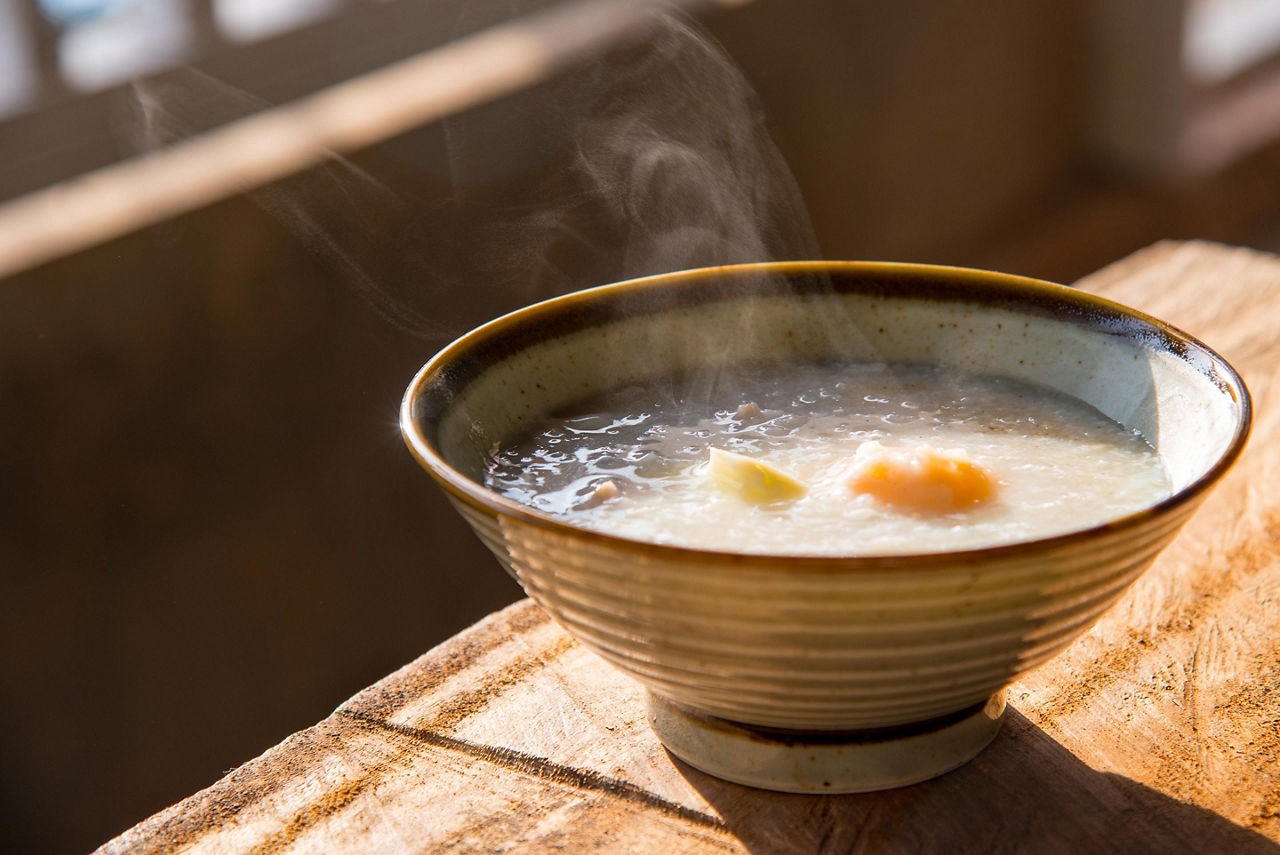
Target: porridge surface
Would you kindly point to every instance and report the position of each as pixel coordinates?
(637, 463)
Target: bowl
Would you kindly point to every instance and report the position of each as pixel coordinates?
(810, 673)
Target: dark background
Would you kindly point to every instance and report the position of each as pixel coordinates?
(210, 532)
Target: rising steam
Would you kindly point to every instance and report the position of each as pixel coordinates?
(649, 158)
(679, 155)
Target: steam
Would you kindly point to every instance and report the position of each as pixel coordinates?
(333, 209)
(649, 158)
(656, 158)
(679, 154)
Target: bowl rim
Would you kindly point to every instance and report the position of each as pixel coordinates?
(460, 487)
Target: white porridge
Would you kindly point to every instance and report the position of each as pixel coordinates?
(835, 460)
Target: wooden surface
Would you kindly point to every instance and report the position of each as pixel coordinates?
(1158, 731)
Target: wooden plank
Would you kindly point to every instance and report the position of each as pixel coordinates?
(1157, 732)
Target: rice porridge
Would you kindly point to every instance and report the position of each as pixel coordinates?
(834, 460)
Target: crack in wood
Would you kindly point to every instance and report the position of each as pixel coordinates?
(547, 770)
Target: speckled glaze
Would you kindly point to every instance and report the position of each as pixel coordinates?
(808, 644)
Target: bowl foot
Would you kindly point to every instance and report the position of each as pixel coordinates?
(825, 761)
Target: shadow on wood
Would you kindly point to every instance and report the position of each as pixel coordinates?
(1025, 793)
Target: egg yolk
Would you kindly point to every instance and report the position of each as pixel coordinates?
(921, 478)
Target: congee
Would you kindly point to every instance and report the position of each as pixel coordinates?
(833, 460)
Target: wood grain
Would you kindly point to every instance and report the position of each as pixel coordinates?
(1159, 731)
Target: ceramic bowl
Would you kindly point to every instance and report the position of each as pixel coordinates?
(820, 673)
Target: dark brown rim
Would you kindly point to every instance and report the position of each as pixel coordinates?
(1044, 293)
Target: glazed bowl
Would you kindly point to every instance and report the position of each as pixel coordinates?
(814, 673)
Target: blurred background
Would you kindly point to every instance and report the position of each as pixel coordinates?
(210, 532)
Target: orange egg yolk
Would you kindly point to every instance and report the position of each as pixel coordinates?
(921, 478)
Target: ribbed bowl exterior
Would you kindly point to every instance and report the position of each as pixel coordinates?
(827, 647)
